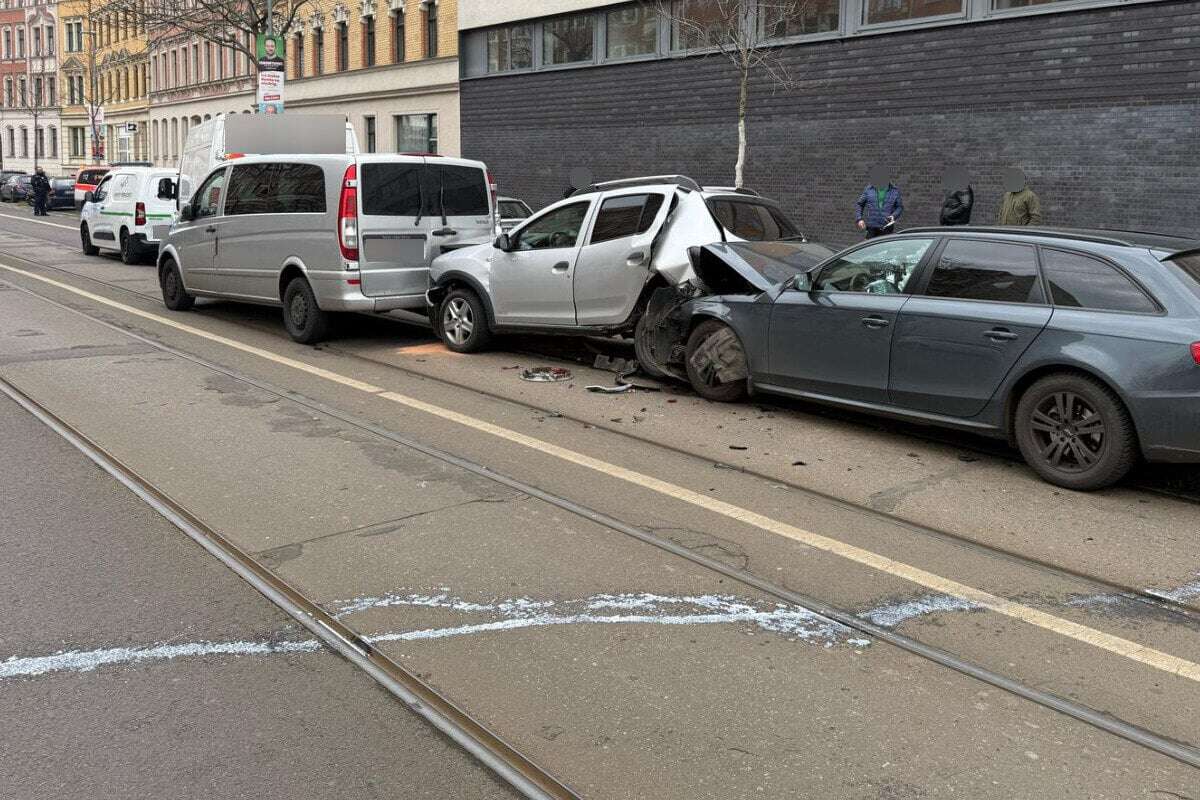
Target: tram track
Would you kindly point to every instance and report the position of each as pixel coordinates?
(512, 765)
(1186, 613)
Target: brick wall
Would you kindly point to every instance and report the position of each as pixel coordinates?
(1099, 107)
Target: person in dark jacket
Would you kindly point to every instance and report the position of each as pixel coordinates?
(879, 206)
(960, 197)
(40, 187)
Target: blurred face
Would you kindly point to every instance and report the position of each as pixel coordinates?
(269, 48)
(880, 176)
(955, 178)
(1014, 179)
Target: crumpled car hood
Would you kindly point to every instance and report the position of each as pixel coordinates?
(752, 267)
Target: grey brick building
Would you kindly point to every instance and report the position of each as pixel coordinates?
(1096, 99)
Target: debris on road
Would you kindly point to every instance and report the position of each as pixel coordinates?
(546, 374)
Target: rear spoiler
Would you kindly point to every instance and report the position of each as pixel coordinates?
(1181, 253)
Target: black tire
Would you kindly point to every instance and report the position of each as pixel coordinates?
(645, 354)
(303, 318)
(1075, 432)
(705, 382)
(462, 321)
(85, 239)
(175, 297)
(131, 251)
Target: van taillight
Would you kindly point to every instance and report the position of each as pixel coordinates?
(348, 214)
(139, 214)
(1196, 352)
(491, 182)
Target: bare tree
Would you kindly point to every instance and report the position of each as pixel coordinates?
(739, 31)
(227, 23)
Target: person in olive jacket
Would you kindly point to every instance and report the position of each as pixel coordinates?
(960, 197)
(1020, 205)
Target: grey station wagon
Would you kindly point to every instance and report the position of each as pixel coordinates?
(1081, 347)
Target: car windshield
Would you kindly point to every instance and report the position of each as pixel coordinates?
(513, 209)
(752, 220)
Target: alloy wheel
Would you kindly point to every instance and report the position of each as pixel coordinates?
(458, 321)
(1068, 431)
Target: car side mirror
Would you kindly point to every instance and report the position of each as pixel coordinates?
(88, 197)
(503, 243)
(166, 189)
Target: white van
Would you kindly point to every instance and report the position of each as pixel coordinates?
(130, 211)
(227, 137)
(319, 234)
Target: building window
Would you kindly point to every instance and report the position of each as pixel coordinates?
(431, 30)
(369, 124)
(510, 48)
(877, 11)
(1005, 5)
(8, 43)
(51, 91)
(569, 40)
(196, 63)
(299, 55)
(398, 48)
(8, 92)
(39, 145)
(52, 140)
(343, 47)
(699, 23)
(319, 51)
(20, 42)
(50, 41)
(12, 142)
(416, 133)
(78, 139)
(24, 142)
(816, 16)
(631, 31)
(369, 41)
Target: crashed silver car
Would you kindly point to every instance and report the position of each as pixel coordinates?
(589, 264)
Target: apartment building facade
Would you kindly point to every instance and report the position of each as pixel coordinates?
(29, 106)
(1095, 99)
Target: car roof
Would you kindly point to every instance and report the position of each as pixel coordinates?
(1102, 236)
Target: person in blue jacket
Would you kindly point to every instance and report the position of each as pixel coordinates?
(879, 206)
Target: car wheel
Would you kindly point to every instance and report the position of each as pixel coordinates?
(645, 352)
(1075, 432)
(175, 297)
(462, 322)
(303, 318)
(131, 253)
(85, 238)
(716, 363)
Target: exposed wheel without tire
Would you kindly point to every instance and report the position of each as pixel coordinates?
(85, 238)
(463, 321)
(303, 318)
(131, 251)
(1075, 432)
(716, 363)
(175, 297)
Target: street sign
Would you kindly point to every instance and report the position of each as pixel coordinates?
(131, 127)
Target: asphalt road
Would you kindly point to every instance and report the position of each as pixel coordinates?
(363, 472)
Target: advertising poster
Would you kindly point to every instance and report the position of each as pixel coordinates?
(270, 50)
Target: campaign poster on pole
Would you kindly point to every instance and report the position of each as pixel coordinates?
(270, 51)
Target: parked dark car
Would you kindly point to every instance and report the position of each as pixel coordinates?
(5, 174)
(1082, 348)
(62, 194)
(16, 188)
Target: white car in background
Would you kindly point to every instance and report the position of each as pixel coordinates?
(129, 212)
(589, 263)
(512, 212)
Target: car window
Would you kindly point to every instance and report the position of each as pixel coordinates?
(464, 191)
(249, 190)
(981, 270)
(624, 216)
(754, 222)
(101, 190)
(882, 268)
(1078, 281)
(556, 229)
(511, 209)
(207, 201)
(391, 189)
(299, 189)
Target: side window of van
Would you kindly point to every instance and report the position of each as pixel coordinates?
(249, 190)
(208, 200)
(299, 189)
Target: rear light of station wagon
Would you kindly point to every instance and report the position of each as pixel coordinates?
(348, 214)
(139, 214)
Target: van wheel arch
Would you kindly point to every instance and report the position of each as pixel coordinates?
(290, 272)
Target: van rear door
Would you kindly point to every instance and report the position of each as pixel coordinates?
(459, 198)
(393, 226)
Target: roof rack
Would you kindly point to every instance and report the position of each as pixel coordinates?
(1022, 230)
(733, 190)
(682, 181)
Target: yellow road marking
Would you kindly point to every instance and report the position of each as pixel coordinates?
(1032, 616)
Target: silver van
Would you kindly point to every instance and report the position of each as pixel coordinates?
(319, 234)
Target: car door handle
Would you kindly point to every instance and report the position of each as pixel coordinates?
(635, 258)
(1000, 335)
(443, 232)
(875, 323)
(561, 266)
(211, 229)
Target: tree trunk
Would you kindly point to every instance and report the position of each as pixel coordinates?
(740, 169)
